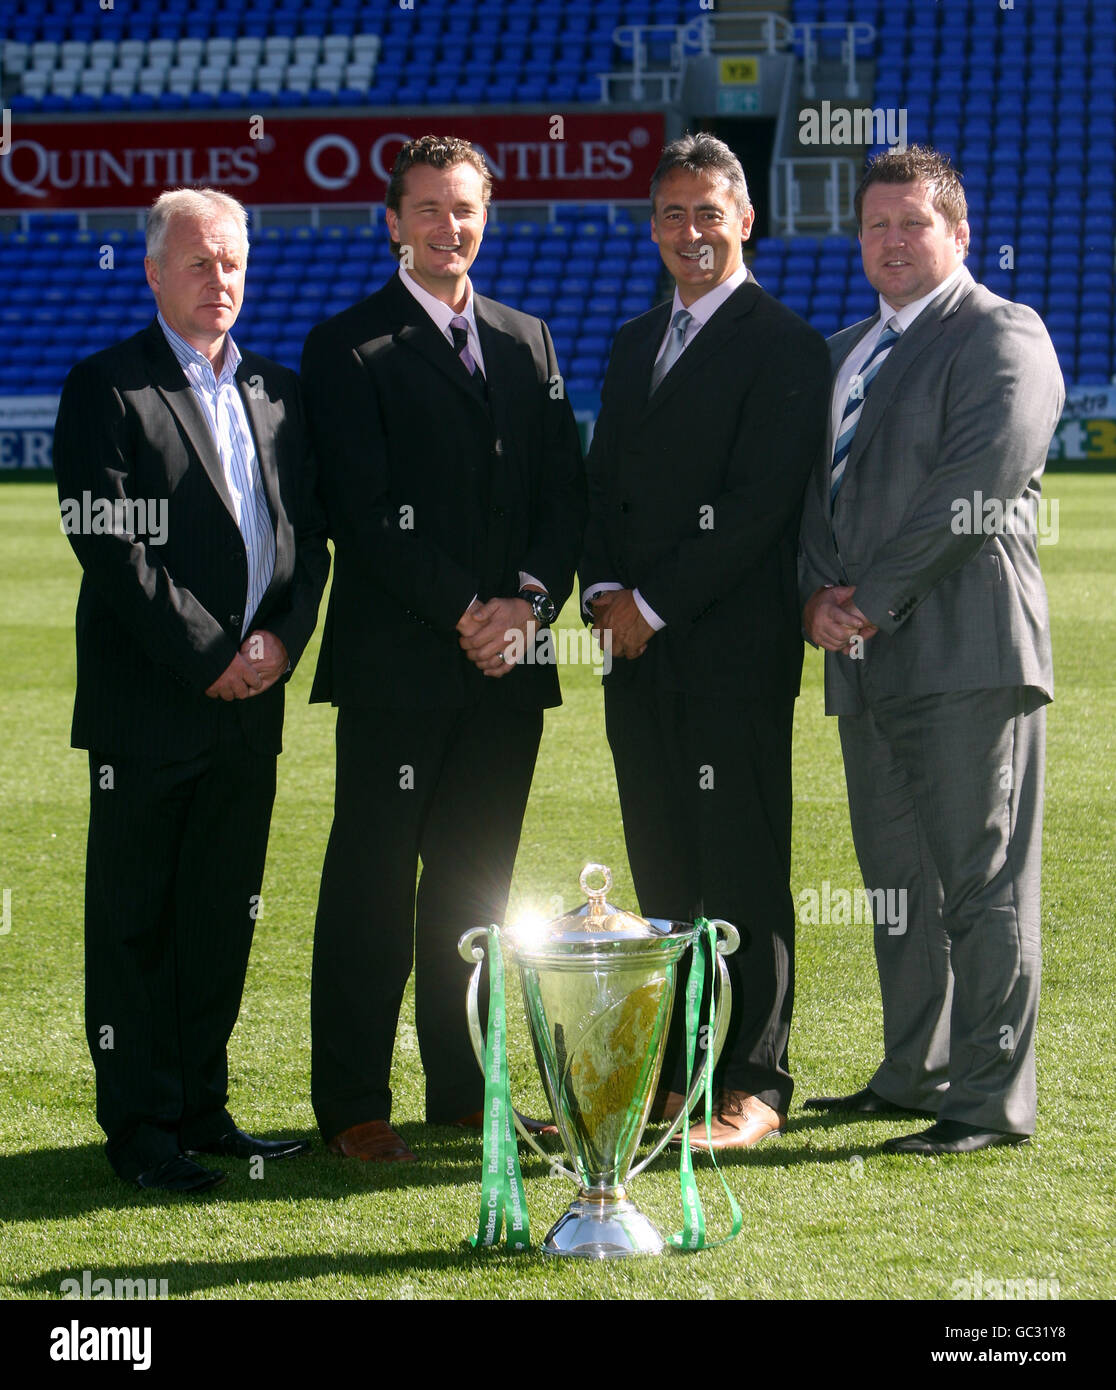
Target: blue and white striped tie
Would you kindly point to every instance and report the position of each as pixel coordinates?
(858, 391)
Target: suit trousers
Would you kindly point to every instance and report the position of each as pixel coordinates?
(945, 799)
(705, 793)
(449, 786)
(175, 862)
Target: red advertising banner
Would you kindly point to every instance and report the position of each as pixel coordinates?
(276, 160)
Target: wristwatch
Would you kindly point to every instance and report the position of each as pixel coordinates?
(542, 606)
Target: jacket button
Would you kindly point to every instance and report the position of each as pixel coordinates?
(236, 619)
(624, 506)
(497, 511)
(498, 447)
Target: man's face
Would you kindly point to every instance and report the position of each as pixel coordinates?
(198, 280)
(698, 230)
(905, 242)
(441, 218)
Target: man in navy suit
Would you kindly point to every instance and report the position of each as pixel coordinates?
(454, 493)
(712, 413)
(187, 493)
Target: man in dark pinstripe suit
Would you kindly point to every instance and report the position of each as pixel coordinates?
(187, 493)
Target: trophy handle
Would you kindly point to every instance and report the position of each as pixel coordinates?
(470, 949)
(725, 947)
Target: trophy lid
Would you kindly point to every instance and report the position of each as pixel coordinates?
(598, 920)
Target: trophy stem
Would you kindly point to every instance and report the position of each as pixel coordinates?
(602, 1223)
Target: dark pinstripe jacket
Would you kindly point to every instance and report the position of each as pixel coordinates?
(157, 623)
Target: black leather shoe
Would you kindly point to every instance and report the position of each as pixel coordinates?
(951, 1137)
(237, 1144)
(865, 1102)
(179, 1174)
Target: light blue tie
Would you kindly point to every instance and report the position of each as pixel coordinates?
(858, 391)
(673, 350)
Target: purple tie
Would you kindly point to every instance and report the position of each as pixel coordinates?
(460, 330)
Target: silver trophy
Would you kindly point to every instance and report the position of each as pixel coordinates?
(598, 985)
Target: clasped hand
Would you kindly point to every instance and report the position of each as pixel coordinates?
(487, 633)
(619, 625)
(831, 620)
(259, 663)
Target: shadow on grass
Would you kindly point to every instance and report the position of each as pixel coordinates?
(52, 1184)
(191, 1278)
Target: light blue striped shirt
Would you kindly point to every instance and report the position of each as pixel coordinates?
(224, 412)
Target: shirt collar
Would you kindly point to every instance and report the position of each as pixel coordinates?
(905, 316)
(188, 356)
(437, 309)
(704, 308)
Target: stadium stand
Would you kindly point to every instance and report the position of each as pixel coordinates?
(1027, 107)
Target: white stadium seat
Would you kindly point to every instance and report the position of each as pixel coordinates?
(241, 79)
(277, 48)
(211, 80)
(271, 79)
(73, 54)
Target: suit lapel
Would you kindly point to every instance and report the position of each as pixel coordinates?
(917, 339)
(712, 339)
(418, 333)
(501, 351)
(172, 385)
(261, 421)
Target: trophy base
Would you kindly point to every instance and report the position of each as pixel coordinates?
(603, 1224)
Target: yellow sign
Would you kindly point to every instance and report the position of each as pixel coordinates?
(736, 72)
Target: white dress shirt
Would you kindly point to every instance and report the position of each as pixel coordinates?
(850, 367)
(701, 310)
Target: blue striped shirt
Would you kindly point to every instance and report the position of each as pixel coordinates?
(224, 412)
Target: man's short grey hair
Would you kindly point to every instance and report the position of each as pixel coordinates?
(702, 154)
(190, 202)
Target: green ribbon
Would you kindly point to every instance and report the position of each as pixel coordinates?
(692, 1234)
(503, 1200)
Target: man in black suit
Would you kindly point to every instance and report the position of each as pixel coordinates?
(712, 413)
(187, 494)
(454, 495)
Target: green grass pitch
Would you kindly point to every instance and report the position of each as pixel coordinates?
(826, 1215)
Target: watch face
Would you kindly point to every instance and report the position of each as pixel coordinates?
(542, 605)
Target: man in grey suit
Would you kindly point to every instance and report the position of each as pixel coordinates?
(919, 576)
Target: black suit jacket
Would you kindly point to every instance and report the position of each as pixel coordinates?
(433, 495)
(695, 494)
(158, 623)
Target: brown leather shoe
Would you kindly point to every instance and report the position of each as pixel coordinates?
(740, 1121)
(374, 1141)
(476, 1121)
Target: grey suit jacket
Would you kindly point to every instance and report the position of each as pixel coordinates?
(935, 520)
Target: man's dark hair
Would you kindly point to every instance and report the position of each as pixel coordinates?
(439, 152)
(918, 164)
(702, 154)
